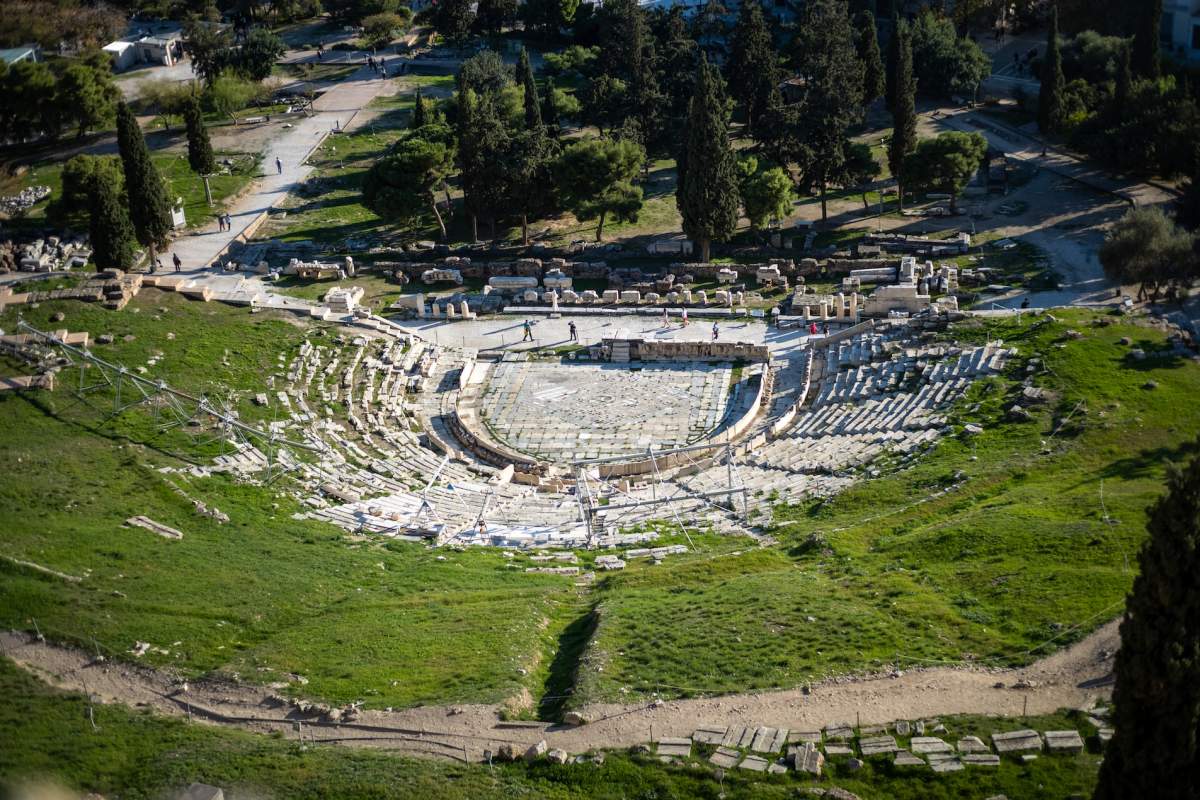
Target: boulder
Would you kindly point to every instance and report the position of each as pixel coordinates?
(574, 718)
(536, 751)
(557, 756)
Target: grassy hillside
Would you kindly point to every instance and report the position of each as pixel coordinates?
(45, 736)
(1019, 555)
(1033, 544)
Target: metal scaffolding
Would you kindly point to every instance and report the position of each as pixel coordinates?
(172, 408)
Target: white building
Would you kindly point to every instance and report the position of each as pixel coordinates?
(1180, 30)
(153, 44)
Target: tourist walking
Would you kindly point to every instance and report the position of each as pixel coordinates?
(228, 221)
(178, 263)
(824, 328)
(716, 331)
(528, 332)
(220, 222)
(279, 166)
(666, 319)
(812, 329)
(683, 317)
(574, 333)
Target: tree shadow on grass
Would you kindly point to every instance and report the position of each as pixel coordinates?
(560, 683)
(1144, 463)
(1155, 357)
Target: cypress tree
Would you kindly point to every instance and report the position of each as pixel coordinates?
(904, 113)
(1155, 750)
(1050, 94)
(145, 189)
(1124, 81)
(706, 192)
(533, 111)
(868, 53)
(753, 63)
(550, 114)
(893, 61)
(111, 232)
(1145, 39)
(419, 119)
(824, 54)
(200, 152)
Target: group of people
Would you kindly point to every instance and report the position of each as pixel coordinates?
(380, 66)
(159, 265)
(224, 221)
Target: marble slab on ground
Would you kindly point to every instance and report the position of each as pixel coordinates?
(709, 735)
(838, 730)
(1017, 741)
(725, 757)
(907, 759)
(754, 764)
(972, 744)
(674, 747)
(876, 745)
(929, 744)
(980, 759)
(768, 740)
(1064, 741)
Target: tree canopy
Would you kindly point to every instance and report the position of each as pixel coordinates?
(200, 152)
(766, 191)
(402, 186)
(753, 64)
(1146, 248)
(596, 177)
(945, 163)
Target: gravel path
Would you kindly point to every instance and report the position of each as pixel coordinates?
(1072, 678)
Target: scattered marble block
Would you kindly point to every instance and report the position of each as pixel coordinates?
(1017, 741)
(907, 759)
(807, 758)
(878, 745)
(707, 735)
(674, 747)
(805, 736)
(768, 740)
(1064, 742)
(754, 764)
(972, 744)
(981, 760)
(839, 731)
(838, 751)
(725, 757)
(930, 744)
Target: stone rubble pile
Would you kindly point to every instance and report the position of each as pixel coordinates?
(24, 200)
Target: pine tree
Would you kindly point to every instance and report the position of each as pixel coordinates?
(904, 113)
(1145, 39)
(868, 52)
(1155, 750)
(419, 117)
(753, 63)
(893, 61)
(533, 111)
(706, 192)
(1050, 110)
(145, 189)
(200, 152)
(111, 232)
(825, 57)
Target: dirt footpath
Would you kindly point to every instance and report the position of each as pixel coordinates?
(1073, 678)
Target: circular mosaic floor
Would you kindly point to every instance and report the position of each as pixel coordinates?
(566, 412)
